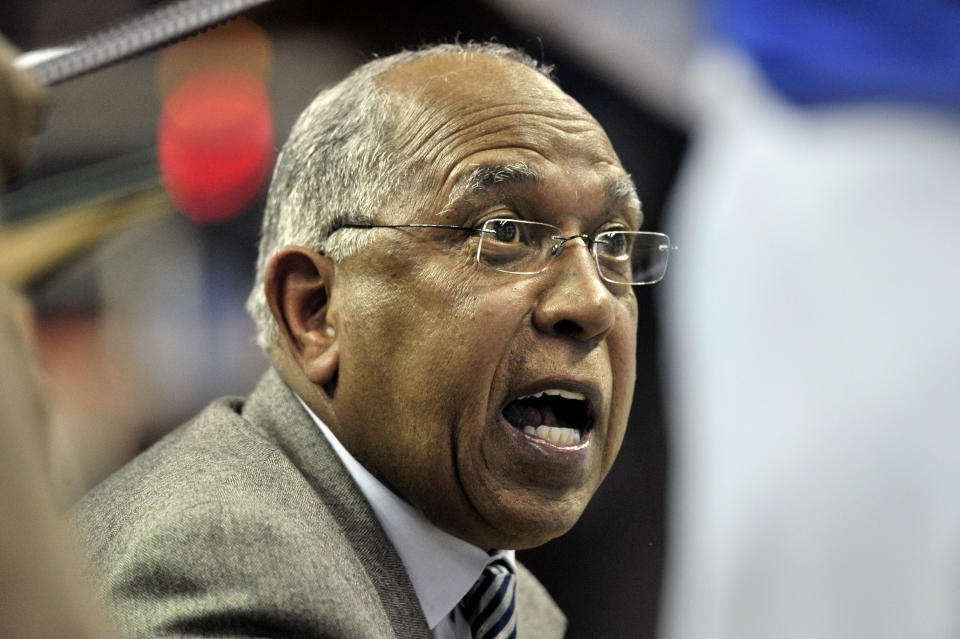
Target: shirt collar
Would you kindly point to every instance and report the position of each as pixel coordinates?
(441, 567)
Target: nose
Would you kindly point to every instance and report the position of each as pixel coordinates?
(576, 303)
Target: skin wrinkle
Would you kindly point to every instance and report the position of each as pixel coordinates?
(516, 361)
(563, 501)
(491, 127)
(455, 185)
(420, 134)
(535, 146)
(491, 520)
(487, 184)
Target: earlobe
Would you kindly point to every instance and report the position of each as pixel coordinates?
(321, 354)
(298, 286)
(320, 365)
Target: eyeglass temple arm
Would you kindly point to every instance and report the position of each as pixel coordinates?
(467, 229)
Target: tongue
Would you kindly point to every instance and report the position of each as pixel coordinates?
(530, 412)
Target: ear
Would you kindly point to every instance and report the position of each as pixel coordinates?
(298, 285)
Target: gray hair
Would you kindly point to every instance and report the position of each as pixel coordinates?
(339, 166)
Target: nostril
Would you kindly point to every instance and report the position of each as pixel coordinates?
(567, 328)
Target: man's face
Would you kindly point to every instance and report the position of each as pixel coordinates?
(437, 352)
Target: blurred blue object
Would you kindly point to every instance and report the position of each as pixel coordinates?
(824, 51)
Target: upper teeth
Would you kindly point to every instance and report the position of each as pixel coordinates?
(556, 392)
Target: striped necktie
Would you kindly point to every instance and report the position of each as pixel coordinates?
(490, 606)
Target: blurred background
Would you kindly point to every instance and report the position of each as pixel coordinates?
(150, 176)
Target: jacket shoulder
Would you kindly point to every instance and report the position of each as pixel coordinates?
(539, 617)
(215, 531)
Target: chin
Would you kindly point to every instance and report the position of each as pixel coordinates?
(531, 520)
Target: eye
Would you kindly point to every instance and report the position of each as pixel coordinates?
(505, 231)
(615, 244)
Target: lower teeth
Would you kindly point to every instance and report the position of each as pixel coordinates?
(554, 435)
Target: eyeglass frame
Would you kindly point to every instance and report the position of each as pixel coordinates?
(588, 240)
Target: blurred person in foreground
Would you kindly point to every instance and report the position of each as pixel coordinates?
(812, 327)
(42, 592)
(22, 103)
(444, 293)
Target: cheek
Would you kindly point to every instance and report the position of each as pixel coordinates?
(441, 339)
(477, 317)
(622, 344)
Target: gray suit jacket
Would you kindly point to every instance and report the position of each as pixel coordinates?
(244, 523)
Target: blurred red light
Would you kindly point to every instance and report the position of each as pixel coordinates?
(215, 143)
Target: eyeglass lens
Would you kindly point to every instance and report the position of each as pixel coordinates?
(524, 247)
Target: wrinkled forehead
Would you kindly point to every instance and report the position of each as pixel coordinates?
(461, 88)
(453, 108)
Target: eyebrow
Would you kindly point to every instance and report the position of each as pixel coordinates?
(483, 177)
(622, 189)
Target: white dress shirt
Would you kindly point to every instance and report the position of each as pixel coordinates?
(441, 567)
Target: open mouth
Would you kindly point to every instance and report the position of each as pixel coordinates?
(560, 417)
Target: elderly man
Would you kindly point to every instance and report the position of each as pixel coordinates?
(444, 291)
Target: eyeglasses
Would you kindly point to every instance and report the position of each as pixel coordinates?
(523, 247)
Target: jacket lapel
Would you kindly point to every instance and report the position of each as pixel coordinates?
(274, 409)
